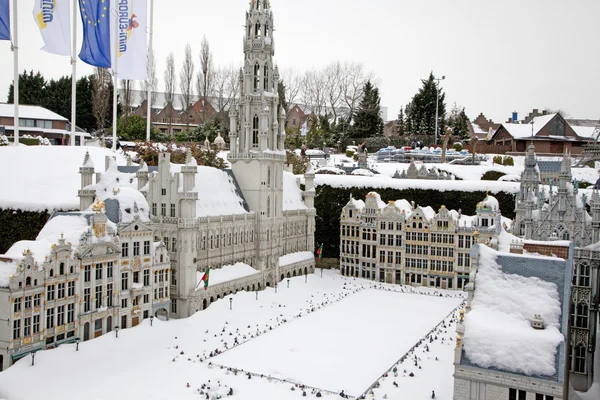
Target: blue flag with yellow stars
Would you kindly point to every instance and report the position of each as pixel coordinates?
(95, 49)
(4, 20)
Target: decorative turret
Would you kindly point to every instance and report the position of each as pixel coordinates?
(282, 118)
(219, 141)
(142, 176)
(309, 187)
(86, 196)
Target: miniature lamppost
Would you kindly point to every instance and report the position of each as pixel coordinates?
(117, 331)
(275, 287)
(288, 281)
(321, 272)
(257, 295)
(77, 344)
(306, 277)
(231, 303)
(151, 319)
(33, 358)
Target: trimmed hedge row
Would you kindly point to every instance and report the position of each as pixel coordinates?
(18, 225)
(329, 202)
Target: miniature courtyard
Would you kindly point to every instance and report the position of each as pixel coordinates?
(324, 335)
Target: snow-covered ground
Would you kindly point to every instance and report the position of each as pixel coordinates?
(355, 330)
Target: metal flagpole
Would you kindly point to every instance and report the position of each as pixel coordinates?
(148, 82)
(74, 78)
(115, 61)
(15, 49)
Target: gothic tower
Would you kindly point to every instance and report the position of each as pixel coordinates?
(257, 133)
(528, 193)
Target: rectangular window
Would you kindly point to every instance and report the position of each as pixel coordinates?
(109, 270)
(16, 329)
(124, 281)
(17, 306)
(27, 327)
(390, 257)
(36, 324)
(174, 245)
(60, 291)
(70, 313)
(166, 241)
(146, 247)
(173, 210)
(136, 249)
(174, 306)
(163, 209)
(60, 315)
(163, 192)
(27, 302)
(36, 299)
(398, 258)
(147, 277)
(98, 272)
(154, 209)
(109, 295)
(50, 318)
(123, 303)
(50, 293)
(381, 256)
(87, 273)
(146, 298)
(382, 239)
(123, 321)
(87, 299)
(125, 250)
(98, 296)
(136, 276)
(71, 288)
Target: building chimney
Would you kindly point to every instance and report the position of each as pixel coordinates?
(537, 322)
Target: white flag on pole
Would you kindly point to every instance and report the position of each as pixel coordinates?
(132, 38)
(304, 129)
(53, 17)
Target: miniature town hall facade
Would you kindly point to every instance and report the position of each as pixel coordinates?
(144, 235)
(406, 244)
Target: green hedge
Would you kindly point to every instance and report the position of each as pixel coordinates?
(492, 175)
(329, 202)
(20, 225)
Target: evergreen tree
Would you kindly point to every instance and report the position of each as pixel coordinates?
(459, 122)
(31, 89)
(400, 128)
(367, 119)
(85, 114)
(420, 112)
(282, 100)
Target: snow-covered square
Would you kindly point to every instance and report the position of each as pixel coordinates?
(345, 346)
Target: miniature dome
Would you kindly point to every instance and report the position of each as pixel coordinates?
(490, 203)
(219, 140)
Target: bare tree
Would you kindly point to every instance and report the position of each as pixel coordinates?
(333, 87)
(128, 87)
(353, 78)
(187, 78)
(170, 82)
(313, 91)
(292, 81)
(225, 87)
(101, 95)
(151, 80)
(204, 78)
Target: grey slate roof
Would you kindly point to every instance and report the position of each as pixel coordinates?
(549, 167)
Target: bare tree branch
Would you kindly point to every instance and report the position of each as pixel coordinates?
(170, 82)
(204, 78)
(151, 80)
(292, 80)
(100, 95)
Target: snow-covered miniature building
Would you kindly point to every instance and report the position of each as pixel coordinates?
(511, 342)
(540, 215)
(87, 272)
(412, 172)
(402, 243)
(144, 236)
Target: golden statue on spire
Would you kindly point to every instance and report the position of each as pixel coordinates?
(98, 206)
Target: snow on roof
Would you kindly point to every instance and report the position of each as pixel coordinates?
(358, 204)
(293, 258)
(584, 131)
(334, 170)
(45, 177)
(29, 112)
(522, 131)
(477, 129)
(225, 274)
(217, 193)
(7, 269)
(292, 195)
(428, 212)
(363, 172)
(498, 331)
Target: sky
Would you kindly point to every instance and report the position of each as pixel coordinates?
(497, 56)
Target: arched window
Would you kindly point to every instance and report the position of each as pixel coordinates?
(257, 4)
(566, 235)
(162, 258)
(266, 29)
(255, 131)
(266, 77)
(256, 76)
(71, 269)
(580, 357)
(257, 30)
(581, 320)
(61, 269)
(350, 213)
(268, 208)
(51, 273)
(28, 281)
(584, 275)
